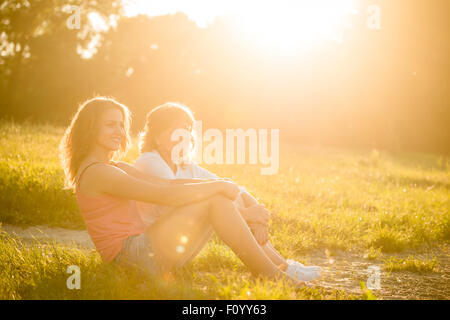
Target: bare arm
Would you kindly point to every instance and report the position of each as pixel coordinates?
(147, 177)
(248, 199)
(110, 180)
(253, 212)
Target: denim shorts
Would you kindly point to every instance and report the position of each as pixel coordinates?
(137, 252)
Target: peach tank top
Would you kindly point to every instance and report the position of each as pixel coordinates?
(109, 220)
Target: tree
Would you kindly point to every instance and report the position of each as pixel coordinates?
(29, 29)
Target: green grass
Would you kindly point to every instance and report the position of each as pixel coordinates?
(337, 199)
(395, 264)
(36, 271)
(344, 199)
(31, 178)
(372, 253)
(322, 198)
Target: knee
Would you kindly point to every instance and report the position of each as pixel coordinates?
(220, 200)
(220, 203)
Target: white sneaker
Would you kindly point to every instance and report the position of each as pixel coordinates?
(315, 268)
(299, 273)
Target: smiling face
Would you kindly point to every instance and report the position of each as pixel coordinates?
(111, 130)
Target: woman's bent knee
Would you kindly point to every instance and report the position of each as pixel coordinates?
(223, 205)
(220, 200)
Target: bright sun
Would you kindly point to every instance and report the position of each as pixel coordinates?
(295, 25)
(279, 25)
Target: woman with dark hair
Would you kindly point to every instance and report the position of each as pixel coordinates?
(106, 191)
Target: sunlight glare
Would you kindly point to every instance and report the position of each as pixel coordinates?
(279, 25)
(292, 25)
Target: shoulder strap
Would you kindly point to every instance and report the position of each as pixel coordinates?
(90, 164)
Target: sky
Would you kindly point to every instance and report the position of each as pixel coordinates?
(285, 25)
(204, 11)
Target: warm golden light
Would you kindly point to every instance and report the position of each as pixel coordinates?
(278, 25)
(180, 249)
(184, 239)
(294, 25)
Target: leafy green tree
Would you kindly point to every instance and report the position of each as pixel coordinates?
(35, 35)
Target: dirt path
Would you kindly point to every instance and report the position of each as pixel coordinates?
(46, 234)
(342, 270)
(345, 270)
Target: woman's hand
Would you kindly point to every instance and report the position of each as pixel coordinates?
(256, 213)
(260, 232)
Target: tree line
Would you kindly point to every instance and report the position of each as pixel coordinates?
(386, 88)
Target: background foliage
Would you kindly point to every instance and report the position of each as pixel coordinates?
(385, 88)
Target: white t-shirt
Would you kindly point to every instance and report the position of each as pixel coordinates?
(153, 164)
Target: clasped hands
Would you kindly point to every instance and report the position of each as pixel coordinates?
(256, 215)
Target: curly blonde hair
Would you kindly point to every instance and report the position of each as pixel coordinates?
(79, 137)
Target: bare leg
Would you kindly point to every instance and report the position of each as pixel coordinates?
(273, 254)
(176, 235)
(269, 250)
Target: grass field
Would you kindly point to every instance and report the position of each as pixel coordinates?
(372, 204)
